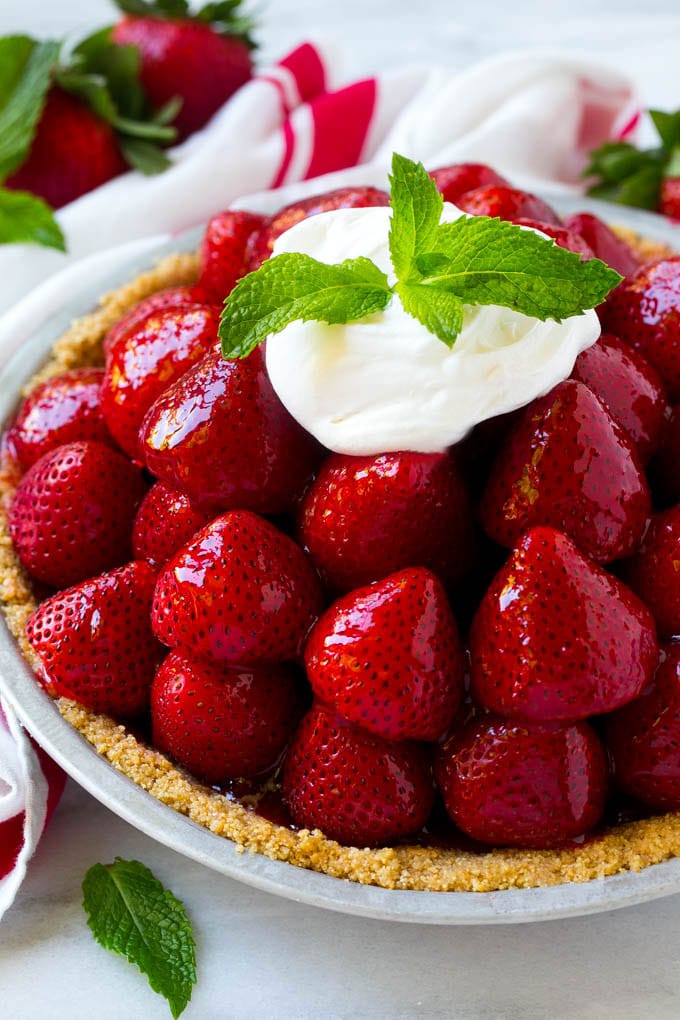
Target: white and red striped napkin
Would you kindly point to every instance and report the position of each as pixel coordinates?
(532, 115)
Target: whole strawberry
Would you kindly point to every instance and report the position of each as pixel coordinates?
(653, 573)
(72, 513)
(456, 180)
(354, 786)
(165, 521)
(223, 722)
(223, 252)
(388, 657)
(172, 297)
(202, 58)
(507, 204)
(240, 591)
(603, 241)
(542, 643)
(95, 643)
(514, 784)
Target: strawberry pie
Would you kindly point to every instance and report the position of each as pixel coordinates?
(355, 537)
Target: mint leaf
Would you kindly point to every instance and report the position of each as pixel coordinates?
(290, 287)
(130, 913)
(154, 8)
(668, 127)
(27, 219)
(25, 68)
(438, 310)
(144, 156)
(416, 212)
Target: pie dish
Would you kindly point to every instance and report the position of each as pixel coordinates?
(628, 846)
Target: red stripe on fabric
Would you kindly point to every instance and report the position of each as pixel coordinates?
(278, 85)
(288, 147)
(306, 66)
(629, 126)
(341, 123)
(11, 842)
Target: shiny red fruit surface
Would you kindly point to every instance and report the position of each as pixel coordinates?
(604, 242)
(654, 573)
(166, 520)
(459, 178)
(507, 204)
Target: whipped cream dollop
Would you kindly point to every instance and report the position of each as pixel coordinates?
(386, 383)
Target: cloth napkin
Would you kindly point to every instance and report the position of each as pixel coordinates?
(532, 115)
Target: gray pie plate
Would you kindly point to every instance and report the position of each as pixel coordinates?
(42, 719)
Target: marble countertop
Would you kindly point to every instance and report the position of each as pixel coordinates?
(264, 957)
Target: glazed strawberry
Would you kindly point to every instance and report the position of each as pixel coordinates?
(149, 358)
(261, 244)
(459, 178)
(644, 738)
(669, 199)
(664, 468)
(73, 151)
(604, 242)
(355, 787)
(95, 643)
(240, 591)
(562, 237)
(221, 435)
(61, 410)
(567, 464)
(172, 297)
(507, 204)
(557, 638)
(202, 63)
(365, 517)
(165, 521)
(72, 513)
(653, 573)
(514, 784)
(223, 252)
(644, 312)
(388, 657)
(629, 388)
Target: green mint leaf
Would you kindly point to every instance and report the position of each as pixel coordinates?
(25, 68)
(672, 168)
(144, 155)
(416, 211)
(613, 162)
(641, 189)
(130, 913)
(290, 287)
(28, 220)
(438, 310)
(492, 262)
(151, 9)
(668, 127)
(225, 18)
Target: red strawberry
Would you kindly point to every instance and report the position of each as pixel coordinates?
(365, 517)
(188, 58)
(543, 645)
(644, 312)
(149, 358)
(655, 572)
(629, 388)
(388, 657)
(240, 591)
(261, 243)
(644, 738)
(221, 435)
(511, 784)
(223, 722)
(454, 181)
(664, 468)
(357, 788)
(562, 237)
(73, 151)
(95, 642)
(165, 521)
(223, 252)
(604, 242)
(173, 297)
(669, 201)
(566, 463)
(61, 410)
(72, 513)
(507, 204)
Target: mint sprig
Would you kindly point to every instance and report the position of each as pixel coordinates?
(439, 267)
(131, 913)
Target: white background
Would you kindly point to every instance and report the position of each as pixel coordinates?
(260, 956)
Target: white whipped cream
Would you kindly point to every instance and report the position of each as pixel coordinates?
(386, 383)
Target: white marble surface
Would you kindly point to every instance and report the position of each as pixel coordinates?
(263, 957)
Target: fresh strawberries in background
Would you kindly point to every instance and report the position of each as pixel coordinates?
(507, 204)
(146, 360)
(240, 591)
(356, 787)
(221, 435)
(628, 387)
(262, 242)
(562, 237)
(165, 521)
(459, 178)
(653, 573)
(566, 463)
(72, 513)
(644, 738)
(173, 297)
(365, 517)
(603, 242)
(223, 252)
(511, 784)
(388, 657)
(95, 642)
(61, 410)
(669, 199)
(544, 645)
(643, 312)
